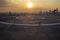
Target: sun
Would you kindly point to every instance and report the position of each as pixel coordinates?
(29, 5)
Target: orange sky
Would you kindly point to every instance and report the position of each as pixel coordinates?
(20, 5)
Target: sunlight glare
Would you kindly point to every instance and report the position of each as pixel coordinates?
(29, 5)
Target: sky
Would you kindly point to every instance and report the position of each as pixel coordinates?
(20, 5)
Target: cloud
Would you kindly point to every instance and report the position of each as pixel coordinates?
(3, 3)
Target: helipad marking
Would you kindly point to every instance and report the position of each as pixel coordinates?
(30, 24)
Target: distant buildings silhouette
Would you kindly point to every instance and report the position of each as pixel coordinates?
(55, 10)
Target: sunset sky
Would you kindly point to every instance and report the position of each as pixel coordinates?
(21, 5)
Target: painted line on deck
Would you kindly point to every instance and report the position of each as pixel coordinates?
(30, 24)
